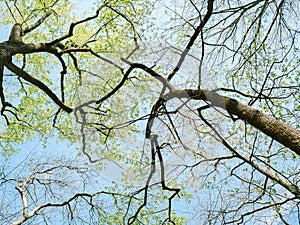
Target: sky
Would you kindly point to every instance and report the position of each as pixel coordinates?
(35, 147)
(54, 148)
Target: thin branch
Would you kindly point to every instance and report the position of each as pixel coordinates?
(193, 38)
(36, 210)
(291, 188)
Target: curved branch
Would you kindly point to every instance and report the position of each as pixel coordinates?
(125, 77)
(38, 84)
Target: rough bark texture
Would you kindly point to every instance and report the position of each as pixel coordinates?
(279, 131)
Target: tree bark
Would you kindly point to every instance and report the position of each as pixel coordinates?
(279, 131)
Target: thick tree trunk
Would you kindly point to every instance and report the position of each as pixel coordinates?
(279, 131)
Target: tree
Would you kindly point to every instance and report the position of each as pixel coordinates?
(198, 99)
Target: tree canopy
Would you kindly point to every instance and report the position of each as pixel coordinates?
(169, 112)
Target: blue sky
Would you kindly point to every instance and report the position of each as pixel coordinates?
(35, 148)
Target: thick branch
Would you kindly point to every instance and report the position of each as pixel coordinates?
(31, 48)
(15, 36)
(279, 131)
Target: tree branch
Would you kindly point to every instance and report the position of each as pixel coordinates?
(279, 131)
(38, 84)
(193, 38)
(37, 23)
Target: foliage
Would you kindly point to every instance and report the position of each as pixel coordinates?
(190, 107)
